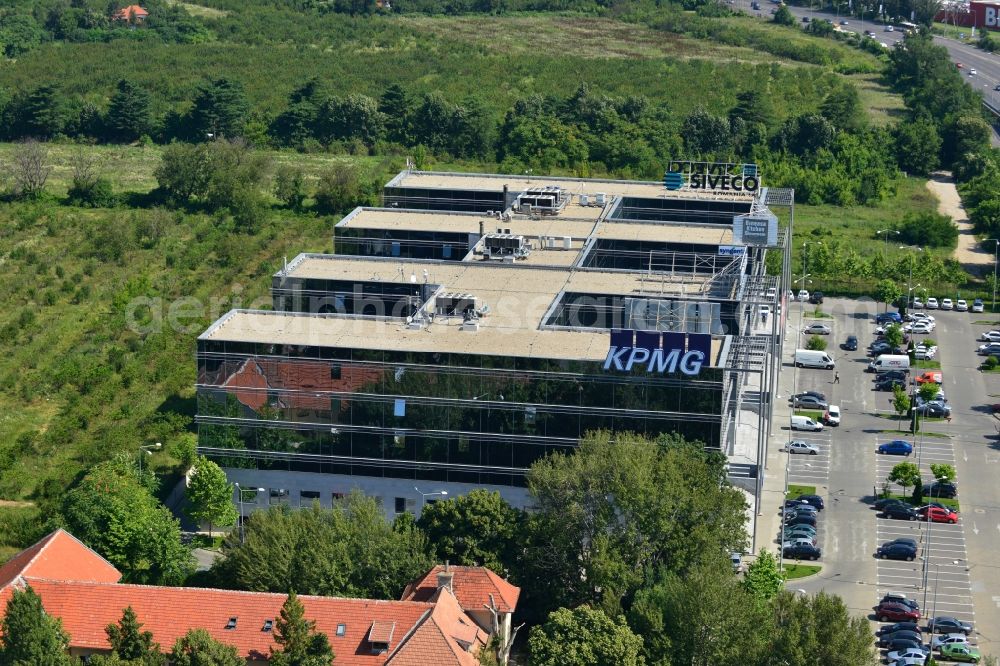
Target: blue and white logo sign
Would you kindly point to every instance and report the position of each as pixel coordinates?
(673, 180)
(658, 352)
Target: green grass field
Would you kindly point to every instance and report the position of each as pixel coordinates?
(793, 571)
(796, 490)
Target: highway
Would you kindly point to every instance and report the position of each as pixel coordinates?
(986, 65)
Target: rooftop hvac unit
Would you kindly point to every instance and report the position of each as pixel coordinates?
(584, 200)
(524, 208)
(567, 243)
(454, 304)
(600, 198)
(500, 245)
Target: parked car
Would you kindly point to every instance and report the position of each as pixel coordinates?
(888, 28)
(947, 639)
(937, 410)
(960, 652)
(899, 626)
(900, 598)
(800, 530)
(945, 624)
(891, 611)
(911, 543)
(803, 295)
(815, 394)
(989, 349)
(906, 651)
(946, 304)
(809, 402)
(918, 302)
(803, 552)
(900, 512)
(910, 661)
(851, 343)
(893, 374)
(924, 352)
(797, 542)
(930, 376)
(817, 329)
(813, 500)
(832, 416)
(896, 447)
(921, 327)
(961, 305)
(938, 515)
(990, 336)
(888, 384)
(882, 503)
(945, 489)
(977, 305)
(804, 519)
(816, 297)
(884, 640)
(888, 318)
(932, 303)
(896, 551)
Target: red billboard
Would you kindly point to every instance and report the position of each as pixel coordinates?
(973, 15)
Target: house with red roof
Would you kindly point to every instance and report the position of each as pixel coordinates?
(131, 14)
(437, 622)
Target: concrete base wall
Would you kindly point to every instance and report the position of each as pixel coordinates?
(293, 484)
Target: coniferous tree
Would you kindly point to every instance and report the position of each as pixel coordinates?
(129, 641)
(30, 636)
(128, 114)
(301, 644)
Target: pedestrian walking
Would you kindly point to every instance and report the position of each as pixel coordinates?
(836, 378)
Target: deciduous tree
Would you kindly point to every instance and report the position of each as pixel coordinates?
(904, 475)
(584, 637)
(210, 495)
(887, 291)
(943, 471)
(900, 401)
(477, 528)
(818, 629)
(763, 579)
(198, 648)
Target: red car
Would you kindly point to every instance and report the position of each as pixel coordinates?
(891, 611)
(938, 515)
(930, 376)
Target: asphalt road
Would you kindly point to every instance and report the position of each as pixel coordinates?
(987, 65)
(963, 578)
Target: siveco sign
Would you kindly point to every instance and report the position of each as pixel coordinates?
(658, 352)
(716, 176)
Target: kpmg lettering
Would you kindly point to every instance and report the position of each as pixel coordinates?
(625, 357)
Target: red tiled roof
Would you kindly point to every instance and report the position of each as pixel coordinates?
(169, 612)
(59, 555)
(472, 587)
(132, 11)
(447, 630)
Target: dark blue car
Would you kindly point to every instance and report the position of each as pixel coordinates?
(888, 318)
(896, 447)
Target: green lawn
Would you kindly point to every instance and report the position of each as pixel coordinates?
(818, 314)
(815, 415)
(927, 365)
(793, 571)
(956, 32)
(923, 433)
(795, 490)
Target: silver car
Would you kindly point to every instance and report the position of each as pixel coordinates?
(799, 446)
(817, 329)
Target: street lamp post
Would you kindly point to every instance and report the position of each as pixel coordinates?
(909, 278)
(239, 496)
(424, 496)
(996, 253)
(886, 238)
(148, 450)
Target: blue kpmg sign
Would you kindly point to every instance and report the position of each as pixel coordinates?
(658, 352)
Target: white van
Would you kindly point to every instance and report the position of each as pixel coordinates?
(808, 358)
(805, 423)
(887, 362)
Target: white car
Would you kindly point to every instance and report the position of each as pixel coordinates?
(948, 639)
(921, 327)
(961, 305)
(946, 304)
(803, 295)
(798, 446)
(801, 541)
(832, 415)
(765, 310)
(889, 28)
(932, 303)
(908, 653)
(917, 302)
(925, 353)
(990, 336)
(973, 72)
(817, 329)
(921, 316)
(977, 305)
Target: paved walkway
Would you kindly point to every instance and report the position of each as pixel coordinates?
(969, 253)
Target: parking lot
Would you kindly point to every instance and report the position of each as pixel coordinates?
(959, 568)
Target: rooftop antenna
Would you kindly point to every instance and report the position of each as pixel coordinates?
(426, 275)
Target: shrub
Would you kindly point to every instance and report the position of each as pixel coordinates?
(816, 343)
(929, 230)
(991, 363)
(96, 193)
